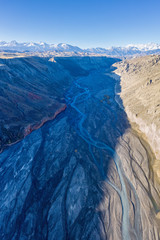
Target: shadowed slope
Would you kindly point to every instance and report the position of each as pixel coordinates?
(32, 92)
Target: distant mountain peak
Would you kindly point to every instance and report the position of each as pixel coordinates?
(14, 42)
(129, 50)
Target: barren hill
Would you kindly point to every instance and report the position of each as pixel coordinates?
(140, 83)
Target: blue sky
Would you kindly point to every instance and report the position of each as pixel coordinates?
(86, 23)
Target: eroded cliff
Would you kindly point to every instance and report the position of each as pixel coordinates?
(140, 91)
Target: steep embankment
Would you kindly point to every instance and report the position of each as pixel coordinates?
(32, 91)
(140, 83)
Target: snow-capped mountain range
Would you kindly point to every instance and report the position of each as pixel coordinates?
(129, 50)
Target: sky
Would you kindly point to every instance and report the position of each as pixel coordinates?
(84, 23)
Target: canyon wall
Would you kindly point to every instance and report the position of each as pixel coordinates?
(140, 92)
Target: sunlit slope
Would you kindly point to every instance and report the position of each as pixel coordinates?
(140, 82)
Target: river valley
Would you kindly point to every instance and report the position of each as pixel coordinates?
(84, 175)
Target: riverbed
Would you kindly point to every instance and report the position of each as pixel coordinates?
(84, 175)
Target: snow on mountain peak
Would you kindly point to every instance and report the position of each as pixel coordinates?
(129, 50)
(145, 47)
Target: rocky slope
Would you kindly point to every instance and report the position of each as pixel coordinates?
(140, 83)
